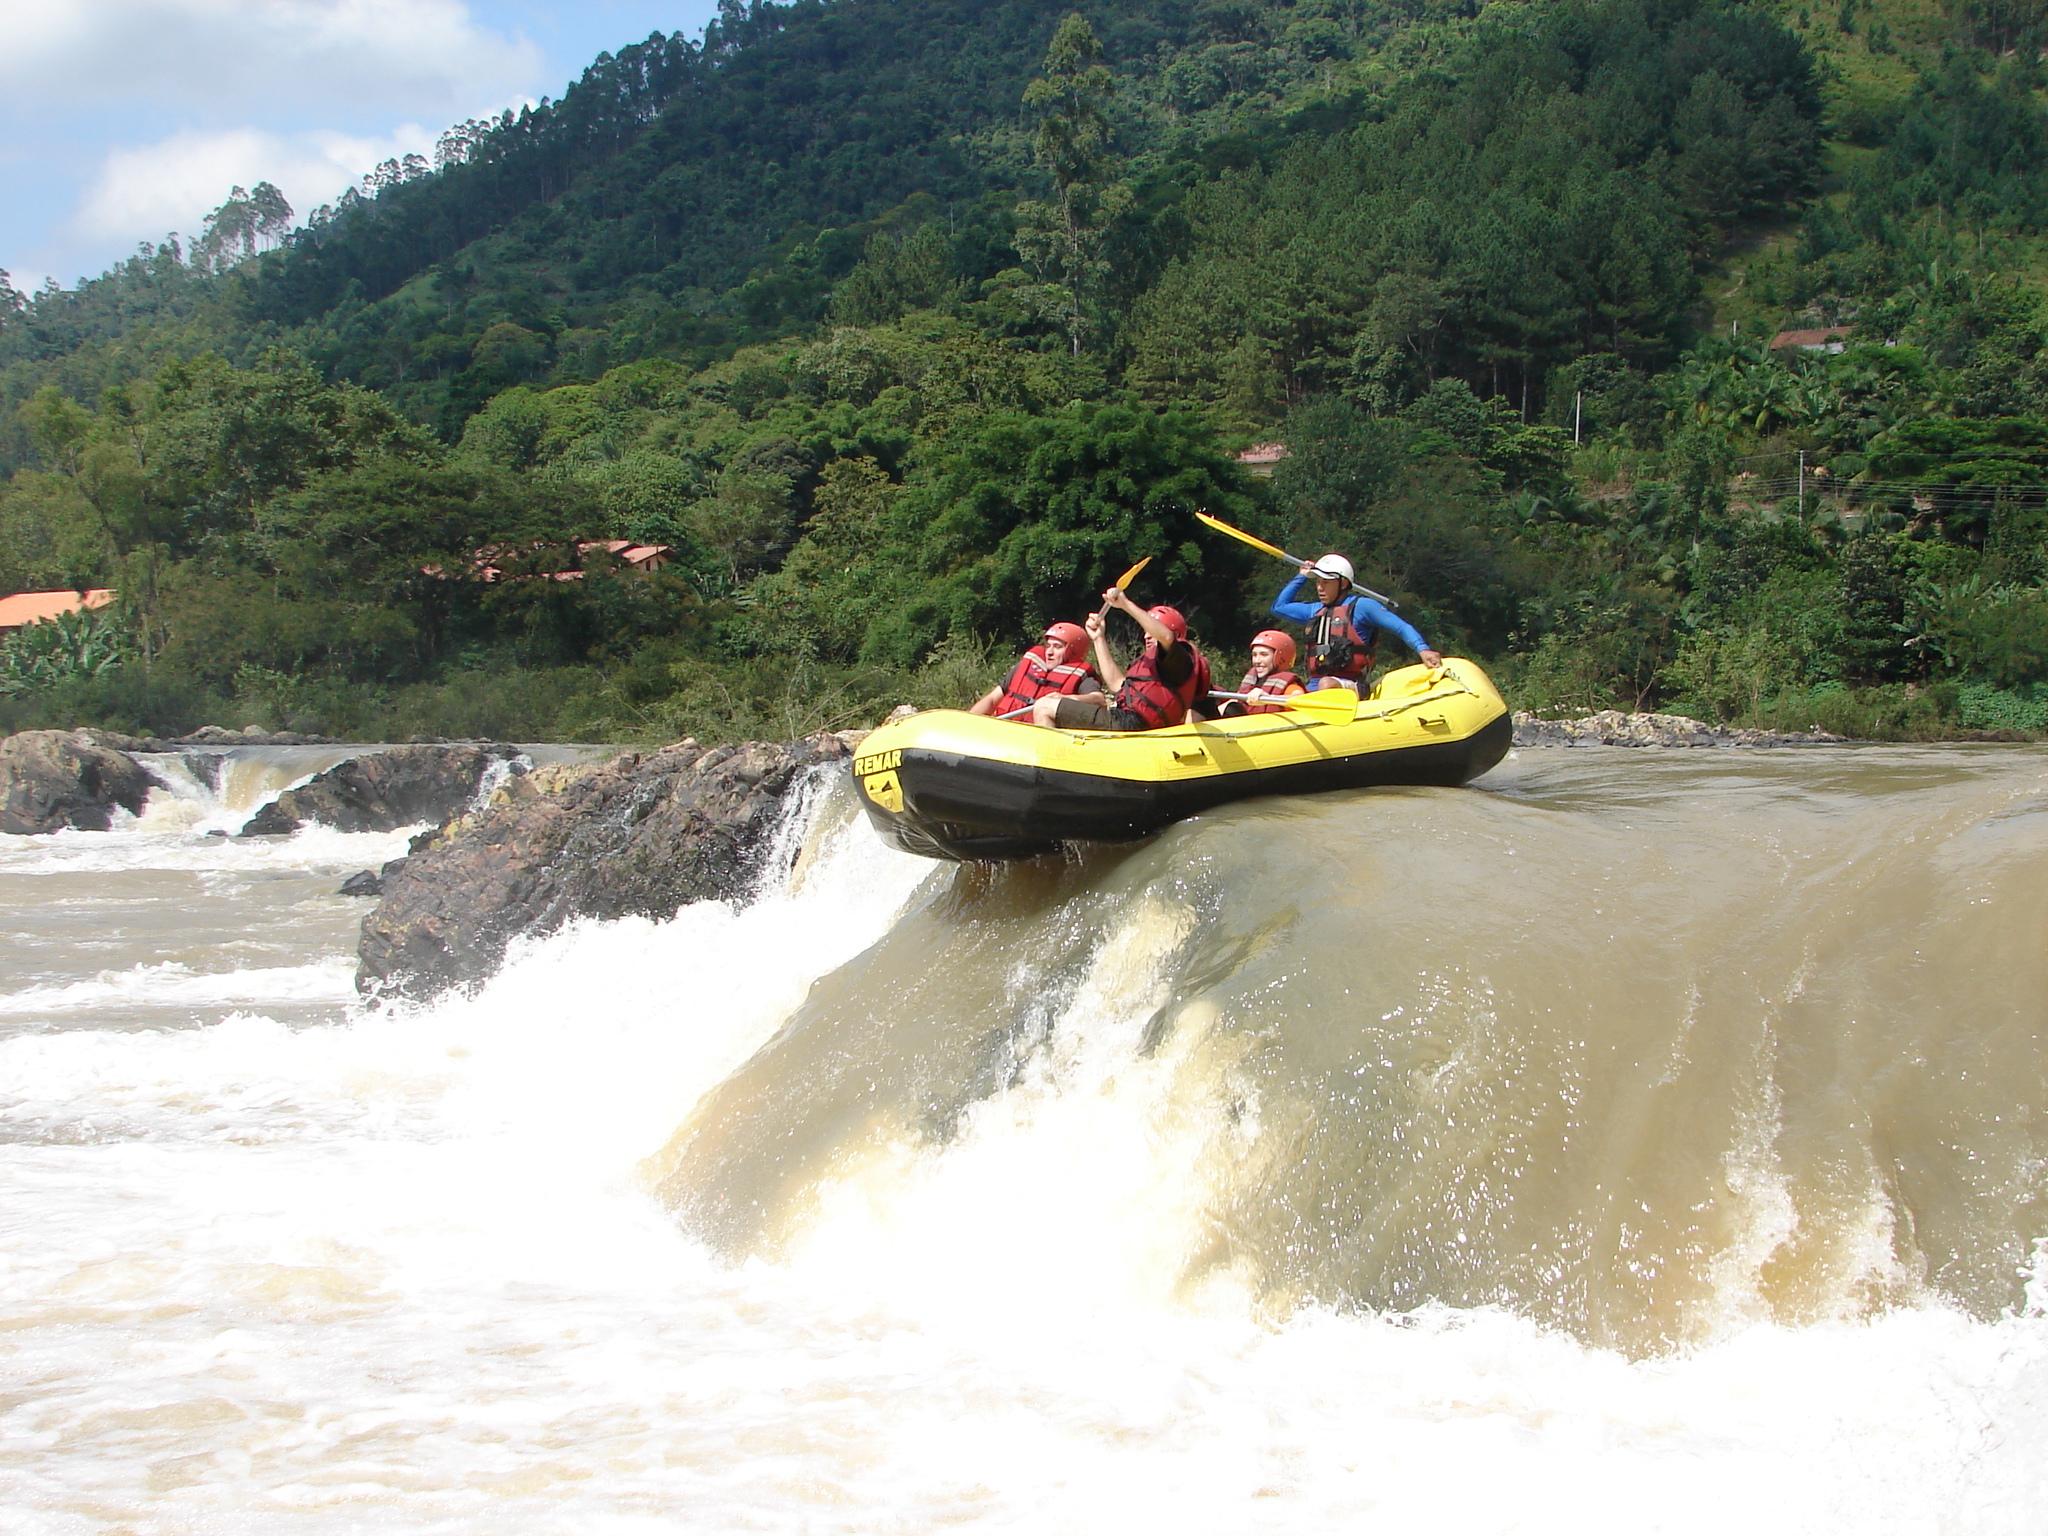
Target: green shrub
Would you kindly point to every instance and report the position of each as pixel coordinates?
(85, 643)
(1726, 674)
(958, 672)
(135, 698)
(1558, 678)
(502, 704)
(1898, 713)
(1987, 707)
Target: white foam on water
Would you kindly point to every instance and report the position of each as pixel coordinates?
(399, 1275)
(1090, 1153)
(142, 846)
(172, 984)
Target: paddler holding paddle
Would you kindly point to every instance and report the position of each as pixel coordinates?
(1168, 675)
(1344, 626)
(1345, 620)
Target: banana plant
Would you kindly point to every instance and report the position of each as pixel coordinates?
(51, 651)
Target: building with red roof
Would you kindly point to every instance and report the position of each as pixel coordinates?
(25, 608)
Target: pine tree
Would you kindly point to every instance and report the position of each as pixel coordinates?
(1062, 239)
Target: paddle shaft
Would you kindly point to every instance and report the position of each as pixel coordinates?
(1346, 705)
(1280, 554)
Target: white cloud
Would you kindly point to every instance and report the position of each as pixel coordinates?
(143, 193)
(238, 59)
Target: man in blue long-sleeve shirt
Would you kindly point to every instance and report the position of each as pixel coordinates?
(1344, 626)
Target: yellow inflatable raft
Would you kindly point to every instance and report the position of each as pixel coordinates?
(951, 785)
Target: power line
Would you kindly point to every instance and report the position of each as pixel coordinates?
(1866, 490)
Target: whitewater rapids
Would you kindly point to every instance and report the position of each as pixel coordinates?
(1636, 1140)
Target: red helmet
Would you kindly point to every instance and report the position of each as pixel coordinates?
(1176, 624)
(1283, 647)
(1075, 636)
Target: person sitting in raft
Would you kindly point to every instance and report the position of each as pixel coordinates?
(1168, 676)
(1058, 664)
(1344, 630)
(1271, 677)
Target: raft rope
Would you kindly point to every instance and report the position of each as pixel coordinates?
(1383, 712)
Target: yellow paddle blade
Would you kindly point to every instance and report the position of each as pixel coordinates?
(1238, 533)
(1280, 554)
(1125, 580)
(1337, 703)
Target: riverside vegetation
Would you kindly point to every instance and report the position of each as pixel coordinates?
(905, 337)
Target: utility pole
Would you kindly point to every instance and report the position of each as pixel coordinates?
(1578, 403)
(1802, 485)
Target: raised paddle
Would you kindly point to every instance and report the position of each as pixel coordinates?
(1280, 554)
(1123, 582)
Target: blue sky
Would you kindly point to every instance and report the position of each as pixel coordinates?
(122, 120)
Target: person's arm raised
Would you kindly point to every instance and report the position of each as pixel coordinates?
(1154, 630)
(1111, 674)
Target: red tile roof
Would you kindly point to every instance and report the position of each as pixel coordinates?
(485, 564)
(1786, 340)
(32, 607)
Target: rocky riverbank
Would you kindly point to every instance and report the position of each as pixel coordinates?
(1616, 728)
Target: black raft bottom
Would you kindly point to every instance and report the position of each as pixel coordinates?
(959, 807)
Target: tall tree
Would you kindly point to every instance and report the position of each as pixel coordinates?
(1062, 239)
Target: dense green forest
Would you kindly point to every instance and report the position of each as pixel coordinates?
(907, 324)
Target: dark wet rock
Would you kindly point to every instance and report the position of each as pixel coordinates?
(1616, 728)
(642, 835)
(364, 882)
(382, 791)
(205, 767)
(50, 780)
(117, 741)
(249, 736)
(205, 736)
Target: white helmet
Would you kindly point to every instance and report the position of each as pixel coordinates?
(1334, 565)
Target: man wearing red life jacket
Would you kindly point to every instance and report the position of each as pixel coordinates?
(1156, 690)
(1058, 664)
(1271, 676)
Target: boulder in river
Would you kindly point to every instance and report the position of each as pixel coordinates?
(50, 780)
(643, 835)
(382, 791)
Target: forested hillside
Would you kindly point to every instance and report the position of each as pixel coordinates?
(907, 324)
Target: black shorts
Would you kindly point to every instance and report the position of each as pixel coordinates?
(1075, 715)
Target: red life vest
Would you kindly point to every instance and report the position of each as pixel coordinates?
(1033, 677)
(1145, 695)
(1337, 648)
(1271, 682)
